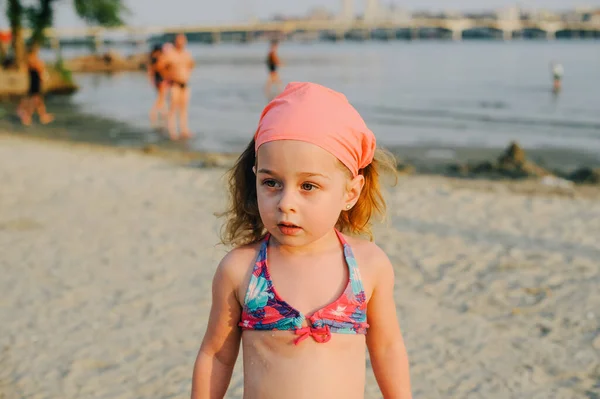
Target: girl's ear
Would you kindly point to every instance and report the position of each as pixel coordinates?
(353, 191)
(254, 169)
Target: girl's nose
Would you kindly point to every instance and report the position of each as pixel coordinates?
(287, 201)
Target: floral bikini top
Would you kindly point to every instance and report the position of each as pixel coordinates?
(264, 309)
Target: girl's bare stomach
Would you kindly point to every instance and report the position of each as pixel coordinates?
(276, 368)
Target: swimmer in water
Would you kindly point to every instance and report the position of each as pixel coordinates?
(179, 65)
(557, 74)
(273, 63)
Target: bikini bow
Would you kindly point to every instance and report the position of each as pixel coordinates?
(320, 335)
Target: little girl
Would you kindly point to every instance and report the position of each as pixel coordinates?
(302, 296)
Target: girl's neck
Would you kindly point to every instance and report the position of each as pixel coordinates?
(321, 245)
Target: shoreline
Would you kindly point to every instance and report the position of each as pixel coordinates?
(567, 166)
(223, 161)
(198, 159)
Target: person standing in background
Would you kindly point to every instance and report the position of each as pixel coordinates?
(34, 101)
(159, 109)
(273, 63)
(178, 64)
(557, 74)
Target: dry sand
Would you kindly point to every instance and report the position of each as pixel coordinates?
(106, 259)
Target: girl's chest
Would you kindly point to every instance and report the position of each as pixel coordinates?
(309, 287)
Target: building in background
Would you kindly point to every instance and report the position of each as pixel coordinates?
(347, 13)
(373, 11)
(582, 14)
(509, 14)
(397, 14)
(319, 14)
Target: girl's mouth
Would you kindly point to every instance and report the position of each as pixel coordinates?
(288, 229)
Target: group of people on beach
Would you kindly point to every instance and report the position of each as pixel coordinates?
(169, 71)
(302, 290)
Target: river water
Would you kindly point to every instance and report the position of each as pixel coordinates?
(436, 97)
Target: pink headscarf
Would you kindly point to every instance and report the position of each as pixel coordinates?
(318, 115)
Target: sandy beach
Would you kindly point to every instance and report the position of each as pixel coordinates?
(106, 259)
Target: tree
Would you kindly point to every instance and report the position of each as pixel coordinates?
(14, 13)
(101, 12)
(39, 18)
(93, 12)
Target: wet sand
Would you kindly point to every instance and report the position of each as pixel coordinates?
(107, 258)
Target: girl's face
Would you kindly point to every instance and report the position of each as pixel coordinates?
(301, 190)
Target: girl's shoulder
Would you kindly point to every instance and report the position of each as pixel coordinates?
(237, 265)
(372, 261)
(365, 250)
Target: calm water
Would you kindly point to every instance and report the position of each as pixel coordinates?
(426, 94)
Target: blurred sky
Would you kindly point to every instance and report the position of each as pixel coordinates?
(189, 12)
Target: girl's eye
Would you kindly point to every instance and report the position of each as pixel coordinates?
(308, 186)
(270, 183)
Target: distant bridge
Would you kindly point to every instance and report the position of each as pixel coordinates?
(455, 27)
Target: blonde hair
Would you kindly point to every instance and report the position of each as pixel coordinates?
(243, 224)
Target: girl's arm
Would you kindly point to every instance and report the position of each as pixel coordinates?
(221, 343)
(384, 339)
